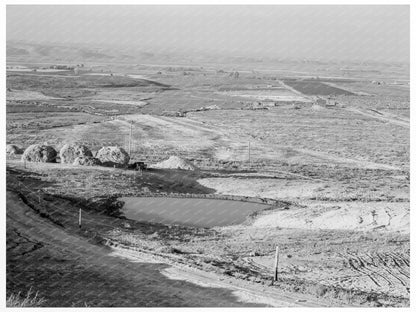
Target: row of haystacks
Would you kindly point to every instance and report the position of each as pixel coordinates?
(81, 155)
(75, 154)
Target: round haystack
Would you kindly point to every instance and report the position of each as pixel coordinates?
(40, 153)
(69, 152)
(175, 162)
(12, 149)
(113, 156)
(317, 107)
(86, 161)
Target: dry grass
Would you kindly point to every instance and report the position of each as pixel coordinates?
(355, 195)
(31, 299)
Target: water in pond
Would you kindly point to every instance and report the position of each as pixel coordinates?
(188, 211)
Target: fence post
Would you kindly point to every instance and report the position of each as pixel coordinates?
(276, 263)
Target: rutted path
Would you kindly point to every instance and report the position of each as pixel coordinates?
(382, 116)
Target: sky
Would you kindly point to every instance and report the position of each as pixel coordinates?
(379, 33)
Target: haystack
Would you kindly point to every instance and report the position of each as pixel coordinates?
(86, 161)
(316, 107)
(40, 153)
(175, 162)
(12, 149)
(69, 152)
(113, 156)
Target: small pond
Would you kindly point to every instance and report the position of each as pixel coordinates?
(188, 211)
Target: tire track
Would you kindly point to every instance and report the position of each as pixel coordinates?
(381, 266)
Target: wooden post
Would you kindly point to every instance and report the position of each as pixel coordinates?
(79, 218)
(276, 263)
(249, 154)
(131, 130)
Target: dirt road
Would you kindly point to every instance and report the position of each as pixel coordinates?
(382, 116)
(68, 270)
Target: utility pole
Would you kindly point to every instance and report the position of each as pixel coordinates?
(249, 154)
(79, 218)
(131, 130)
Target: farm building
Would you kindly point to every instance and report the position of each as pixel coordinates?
(331, 102)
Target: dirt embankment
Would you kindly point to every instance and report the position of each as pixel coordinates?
(72, 266)
(317, 268)
(69, 270)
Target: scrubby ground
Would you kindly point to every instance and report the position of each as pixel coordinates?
(338, 175)
(72, 266)
(350, 267)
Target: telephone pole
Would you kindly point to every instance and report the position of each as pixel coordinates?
(249, 154)
(131, 130)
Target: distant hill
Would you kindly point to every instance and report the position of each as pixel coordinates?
(13, 51)
(23, 51)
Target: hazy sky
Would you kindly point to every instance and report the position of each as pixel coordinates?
(327, 32)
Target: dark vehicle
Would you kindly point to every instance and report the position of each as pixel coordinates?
(139, 165)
